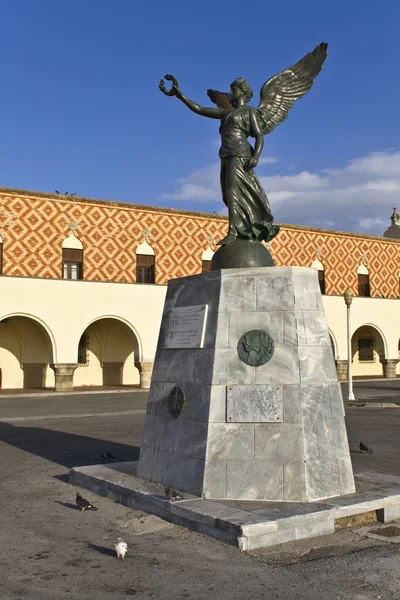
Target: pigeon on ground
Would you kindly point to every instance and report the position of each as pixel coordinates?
(83, 504)
(365, 448)
(173, 495)
(121, 548)
(107, 456)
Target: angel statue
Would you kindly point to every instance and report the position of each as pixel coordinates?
(250, 217)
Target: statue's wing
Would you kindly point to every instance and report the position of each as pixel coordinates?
(221, 99)
(279, 93)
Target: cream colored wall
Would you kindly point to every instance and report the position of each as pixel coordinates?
(110, 341)
(23, 341)
(66, 308)
(373, 367)
(10, 357)
(92, 373)
(383, 317)
(61, 310)
(49, 316)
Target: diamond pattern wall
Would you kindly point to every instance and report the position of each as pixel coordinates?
(34, 225)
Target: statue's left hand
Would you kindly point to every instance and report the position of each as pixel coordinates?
(251, 163)
(174, 91)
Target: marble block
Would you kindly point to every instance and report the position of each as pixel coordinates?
(271, 432)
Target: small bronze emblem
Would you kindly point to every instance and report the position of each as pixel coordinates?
(256, 347)
(176, 402)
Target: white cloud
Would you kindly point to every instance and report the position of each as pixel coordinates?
(359, 196)
(299, 182)
(267, 160)
(201, 185)
(369, 223)
(377, 163)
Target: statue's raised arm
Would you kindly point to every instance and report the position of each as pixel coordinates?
(213, 113)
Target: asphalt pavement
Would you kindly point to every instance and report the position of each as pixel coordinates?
(375, 390)
(50, 550)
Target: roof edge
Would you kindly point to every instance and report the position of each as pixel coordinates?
(192, 213)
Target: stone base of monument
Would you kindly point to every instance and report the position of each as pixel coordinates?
(247, 525)
(244, 401)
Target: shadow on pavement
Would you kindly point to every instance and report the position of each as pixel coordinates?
(103, 550)
(67, 449)
(67, 505)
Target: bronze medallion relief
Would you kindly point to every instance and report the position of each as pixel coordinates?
(256, 347)
(176, 402)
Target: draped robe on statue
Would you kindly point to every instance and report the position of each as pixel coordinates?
(248, 206)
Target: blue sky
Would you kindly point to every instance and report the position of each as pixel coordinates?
(81, 111)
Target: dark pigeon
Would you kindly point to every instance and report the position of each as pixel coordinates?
(365, 449)
(173, 495)
(83, 504)
(107, 456)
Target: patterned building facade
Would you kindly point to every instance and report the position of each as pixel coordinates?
(101, 330)
(33, 227)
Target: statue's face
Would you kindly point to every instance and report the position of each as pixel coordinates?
(235, 94)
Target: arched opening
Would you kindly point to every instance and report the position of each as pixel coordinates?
(363, 281)
(206, 258)
(72, 257)
(108, 354)
(145, 263)
(333, 345)
(368, 349)
(25, 354)
(317, 264)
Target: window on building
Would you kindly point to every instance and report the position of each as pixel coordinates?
(72, 256)
(145, 268)
(83, 350)
(72, 260)
(365, 349)
(205, 266)
(321, 281)
(363, 285)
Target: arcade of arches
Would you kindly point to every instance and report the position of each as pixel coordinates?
(368, 355)
(106, 355)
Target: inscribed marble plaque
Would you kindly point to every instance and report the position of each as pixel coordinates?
(254, 404)
(186, 327)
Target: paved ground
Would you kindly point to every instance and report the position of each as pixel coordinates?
(50, 550)
(378, 390)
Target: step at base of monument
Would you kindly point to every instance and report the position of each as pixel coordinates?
(245, 524)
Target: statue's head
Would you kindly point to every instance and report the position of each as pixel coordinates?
(240, 87)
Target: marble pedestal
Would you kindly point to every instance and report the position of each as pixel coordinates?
(274, 432)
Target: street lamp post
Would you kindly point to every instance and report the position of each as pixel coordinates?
(348, 298)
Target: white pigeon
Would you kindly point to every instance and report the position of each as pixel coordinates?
(121, 548)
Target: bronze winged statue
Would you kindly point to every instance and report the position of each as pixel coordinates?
(250, 216)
